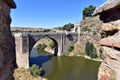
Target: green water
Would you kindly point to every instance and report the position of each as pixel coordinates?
(68, 68)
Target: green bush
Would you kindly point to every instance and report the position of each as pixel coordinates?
(86, 29)
(88, 11)
(71, 48)
(35, 70)
(41, 47)
(90, 50)
(47, 30)
(51, 44)
(66, 27)
(66, 53)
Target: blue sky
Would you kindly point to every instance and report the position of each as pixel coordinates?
(49, 13)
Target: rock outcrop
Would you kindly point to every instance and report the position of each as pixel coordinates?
(7, 46)
(90, 31)
(111, 41)
(110, 4)
(110, 31)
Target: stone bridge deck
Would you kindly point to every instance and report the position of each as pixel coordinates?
(25, 42)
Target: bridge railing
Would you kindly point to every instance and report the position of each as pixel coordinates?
(43, 33)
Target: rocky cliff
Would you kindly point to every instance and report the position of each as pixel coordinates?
(7, 46)
(90, 31)
(110, 30)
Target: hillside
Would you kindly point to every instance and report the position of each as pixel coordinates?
(28, 29)
(90, 31)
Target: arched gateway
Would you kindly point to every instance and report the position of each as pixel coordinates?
(25, 42)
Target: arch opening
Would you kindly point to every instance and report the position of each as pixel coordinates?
(39, 59)
(54, 41)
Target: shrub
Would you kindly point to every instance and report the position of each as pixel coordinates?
(66, 27)
(66, 53)
(41, 46)
(90, 50)
(71, 48)
(35, 70)
(47, 30)
(86, 29)
(51, 44)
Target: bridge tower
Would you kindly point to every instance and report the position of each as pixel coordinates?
(22, 50)
(77, 28)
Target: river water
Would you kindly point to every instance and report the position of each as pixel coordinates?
(65, 68)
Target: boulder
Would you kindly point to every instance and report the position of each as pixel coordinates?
(110, 32)
(111, 26)
(108, 5)
(113, 41)
(106, 73)
(111, 61)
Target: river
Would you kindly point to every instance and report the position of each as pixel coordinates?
(64, 67)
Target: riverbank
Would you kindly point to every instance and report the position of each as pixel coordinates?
(23, 74)
(50, 52)
(94, 59)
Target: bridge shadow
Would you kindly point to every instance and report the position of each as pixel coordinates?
(39, 60)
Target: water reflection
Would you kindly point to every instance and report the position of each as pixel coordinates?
(38, 59)
(66, 68)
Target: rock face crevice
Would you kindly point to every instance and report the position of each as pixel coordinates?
(110, 15)
(7, 45)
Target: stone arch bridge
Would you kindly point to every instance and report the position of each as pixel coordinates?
(25, 42)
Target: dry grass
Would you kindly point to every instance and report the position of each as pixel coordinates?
(23, 74)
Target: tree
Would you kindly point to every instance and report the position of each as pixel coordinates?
(66, 27)
(47, 30)
(88, 11)
(90, 50)
(41, 47)
(51, 44)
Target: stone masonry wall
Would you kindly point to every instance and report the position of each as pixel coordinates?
(7, 46)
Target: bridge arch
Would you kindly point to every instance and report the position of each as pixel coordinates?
(54, 40)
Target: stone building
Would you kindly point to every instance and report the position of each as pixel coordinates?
(110, 30)
(7, 46)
